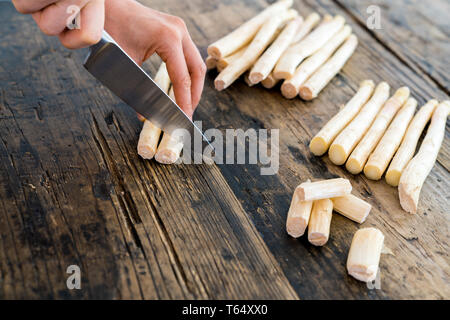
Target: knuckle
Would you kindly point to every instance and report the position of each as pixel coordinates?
(202, 67)
(171, 33)
(90, 38)
(178, 22)
(47, 28)
(21, 6)
(186, 82)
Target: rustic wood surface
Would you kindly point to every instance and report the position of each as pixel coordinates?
(74, 192)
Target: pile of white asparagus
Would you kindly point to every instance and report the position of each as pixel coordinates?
(312, 206)
(374, 130)
(169, 149)
(279, 44)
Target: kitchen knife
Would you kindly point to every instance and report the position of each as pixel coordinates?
(111, 65)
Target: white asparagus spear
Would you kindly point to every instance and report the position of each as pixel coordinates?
(352, 207)
(262, 39)
(264, 65)
(303, 32)
(270, 81)
(245, 33)
(326, 18)
(389, 143)
(344, 143)
(323, 189)
(169, 148)
(312, 87)
(290, 59)
(210, 62)
(322, 140)
(148, 140)
(162, 78)
(419, 167)
(291, 86)
(306, 27)
(406, 150)
(364, 255)
(225, 61)
(311, 21)
(149, 137)
(320, 222)
(298, 216)
(359, 156)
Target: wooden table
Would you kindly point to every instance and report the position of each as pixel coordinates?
(73, 191)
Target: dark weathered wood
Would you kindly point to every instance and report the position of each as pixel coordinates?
(420, 257)
(417, 32)
(73, 190)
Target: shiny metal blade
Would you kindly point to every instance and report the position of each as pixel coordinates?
(118, 72)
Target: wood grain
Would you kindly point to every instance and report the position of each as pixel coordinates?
(74, 191)
(415, 31)
(267, 198)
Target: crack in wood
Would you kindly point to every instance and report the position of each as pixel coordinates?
(128, 207)
(176, 262)
(130, 210)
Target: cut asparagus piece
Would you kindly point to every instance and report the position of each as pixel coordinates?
(322, 140)
(291, 86)
(364, 256)
(169, 148)
(289, 61)
(324, 189)
(149, 137)
(262, 39)
(312, 87)
(247, 80)
(245, 33)
(359, 156)
(352, 207)
(270, 81)
(417, 170)
(148, 140)
(343, 145)
(210, 62)
(264, 65)
(408, 147)
(320, 222)
(298, 216)
(389, 143)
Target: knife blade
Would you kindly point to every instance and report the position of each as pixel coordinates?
(111, 65)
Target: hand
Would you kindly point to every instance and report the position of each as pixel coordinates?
(51, 16)
(139, 30)
(142, 31)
